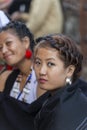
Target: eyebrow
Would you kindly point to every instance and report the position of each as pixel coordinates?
(46, 59)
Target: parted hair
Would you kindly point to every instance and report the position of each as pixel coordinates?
(67, 48)
(21, 30)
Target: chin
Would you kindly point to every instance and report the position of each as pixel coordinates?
(43, 87)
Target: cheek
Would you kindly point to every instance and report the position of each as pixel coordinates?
(57, 78)
(21, 51)
(1, 55)
(36, 71)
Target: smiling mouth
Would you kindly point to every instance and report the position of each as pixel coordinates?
(7, 57)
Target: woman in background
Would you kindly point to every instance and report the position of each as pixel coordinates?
(16, 43)
(19, 92)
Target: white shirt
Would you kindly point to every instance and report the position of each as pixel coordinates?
(32, 87)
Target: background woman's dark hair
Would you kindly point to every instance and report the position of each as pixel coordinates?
(69, 53)
(21, 30)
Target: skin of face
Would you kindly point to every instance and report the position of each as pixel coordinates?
(50, 70)
(11, 48)
(1, 56)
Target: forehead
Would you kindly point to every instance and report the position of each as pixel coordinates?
(49, 55)
(46, 53)
(4, 35)
(11, 31)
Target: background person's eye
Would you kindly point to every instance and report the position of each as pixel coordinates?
(8, 43)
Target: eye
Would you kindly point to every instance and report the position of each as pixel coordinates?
(8, 43)
(50, 64)
(37, 62)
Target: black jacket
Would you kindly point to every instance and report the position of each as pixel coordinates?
(14, 114)
(65, 110)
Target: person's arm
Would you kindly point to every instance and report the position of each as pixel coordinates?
(38, 13)
(20, 16)
(3, 78)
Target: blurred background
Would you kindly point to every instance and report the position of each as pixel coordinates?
(51, 16)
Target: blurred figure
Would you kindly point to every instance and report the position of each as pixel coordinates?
(43, 17)
(20, 6)
(71, 15)
(4, 4)
(16, 43)
(4, 19)
(18, 87)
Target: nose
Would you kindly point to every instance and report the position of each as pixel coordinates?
(43, 70)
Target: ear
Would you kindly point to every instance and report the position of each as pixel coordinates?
(70, 70)
(26, 42)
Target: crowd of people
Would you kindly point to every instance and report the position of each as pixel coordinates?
(43, 90)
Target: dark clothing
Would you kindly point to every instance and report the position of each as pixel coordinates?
(14, 114)
(10, 81)
(65, 110)
(83, 86)
(19, 5)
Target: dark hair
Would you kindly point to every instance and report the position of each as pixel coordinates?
(21, 30)
(69, 53)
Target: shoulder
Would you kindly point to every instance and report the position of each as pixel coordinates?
(3, 78)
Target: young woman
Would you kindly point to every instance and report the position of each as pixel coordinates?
(58, 63)
(18, 88)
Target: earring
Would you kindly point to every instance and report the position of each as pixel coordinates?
(68, 81)
(28, 54)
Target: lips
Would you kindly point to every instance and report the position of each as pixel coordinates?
(42, 81)
(6, 57)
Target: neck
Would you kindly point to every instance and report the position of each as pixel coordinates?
(25, 67)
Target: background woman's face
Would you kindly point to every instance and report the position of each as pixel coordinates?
(11, 47)
(49, 69)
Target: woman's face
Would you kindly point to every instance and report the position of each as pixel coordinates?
(49, 68)
(11, 48)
